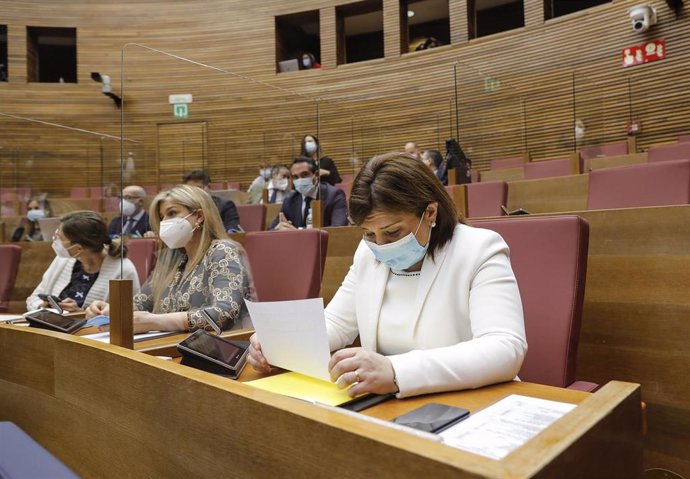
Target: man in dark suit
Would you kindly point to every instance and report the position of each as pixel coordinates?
(226, 208)
(296, 207)
(135, 216)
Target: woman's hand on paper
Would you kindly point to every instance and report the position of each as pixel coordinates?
(362, 371)
(256, 357)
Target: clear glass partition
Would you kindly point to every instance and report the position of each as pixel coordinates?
(490, 113)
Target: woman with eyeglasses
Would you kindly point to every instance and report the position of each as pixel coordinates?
(85, 262)
(201, 275)
(434, 302)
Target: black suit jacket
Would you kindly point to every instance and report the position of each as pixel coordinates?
(139, 228)
(333, 205)
(228, 213)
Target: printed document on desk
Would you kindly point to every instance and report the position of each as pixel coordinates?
(504, 426)
(293, 335)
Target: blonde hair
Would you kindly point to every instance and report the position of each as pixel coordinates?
(168, 262)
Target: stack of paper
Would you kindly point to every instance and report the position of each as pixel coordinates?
(504, 426)
(293, 336)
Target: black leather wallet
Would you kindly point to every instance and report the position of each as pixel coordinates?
(432, 417)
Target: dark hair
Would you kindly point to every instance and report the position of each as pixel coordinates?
(435, 156)
(430, 42)
(305, 159)
(89, 230)
(196, 175)
(276, 168)
(302, 148)
(43, 203)
(399, 182)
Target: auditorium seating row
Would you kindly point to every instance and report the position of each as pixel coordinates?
(649, 184)
(520, 167)
(548, 254)
(151, 190)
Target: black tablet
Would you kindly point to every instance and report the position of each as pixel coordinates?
(45, 319)
(203, 350)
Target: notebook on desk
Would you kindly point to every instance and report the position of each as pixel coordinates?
(315, 390)
(293, 337)
(291, 65)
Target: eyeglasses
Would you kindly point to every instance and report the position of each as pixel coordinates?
(131, 198)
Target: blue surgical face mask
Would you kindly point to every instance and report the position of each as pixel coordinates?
(310, 147)
(305, 186)
(35, 215)
(400, 254)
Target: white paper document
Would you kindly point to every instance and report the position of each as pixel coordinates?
(504, 426)
(293, 335)
(104, 337)
(8, 318)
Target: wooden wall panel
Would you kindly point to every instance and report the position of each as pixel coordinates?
(328, 37)
(391, 28)
(518, 90)
(457, 12)
(534, 12)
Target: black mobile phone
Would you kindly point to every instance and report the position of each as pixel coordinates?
(210, 319)
(217, 355)
(45, 319)
(433, 417)
(52, 300)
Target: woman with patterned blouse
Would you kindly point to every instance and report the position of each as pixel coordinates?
(198, 268)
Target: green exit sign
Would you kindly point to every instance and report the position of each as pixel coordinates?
(491, 84)
(180, 110)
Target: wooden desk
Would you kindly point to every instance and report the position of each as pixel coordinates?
(612, 161)
(548, 195)
(507, 174)
(110, 412)
(635, 317)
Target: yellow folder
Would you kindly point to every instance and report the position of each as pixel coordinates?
(299, 386)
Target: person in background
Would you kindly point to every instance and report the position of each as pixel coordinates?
(328, 172)
(279, 185)
(226, 208)
(412, 148)
(435, 303)
(260, 183)
(296, 208)
(580, 129)
(434, 160)
(199, 270)
(87, 258)
(429, 42)
(28, 228)
(458, 160)
(309, 61)
(135, 216)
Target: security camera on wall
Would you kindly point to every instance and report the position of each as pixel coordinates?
(642, 17)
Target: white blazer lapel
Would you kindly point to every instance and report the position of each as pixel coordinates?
(428, 274)
(374, 299)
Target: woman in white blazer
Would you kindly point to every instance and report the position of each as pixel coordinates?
(86, 260)
(435, 303)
